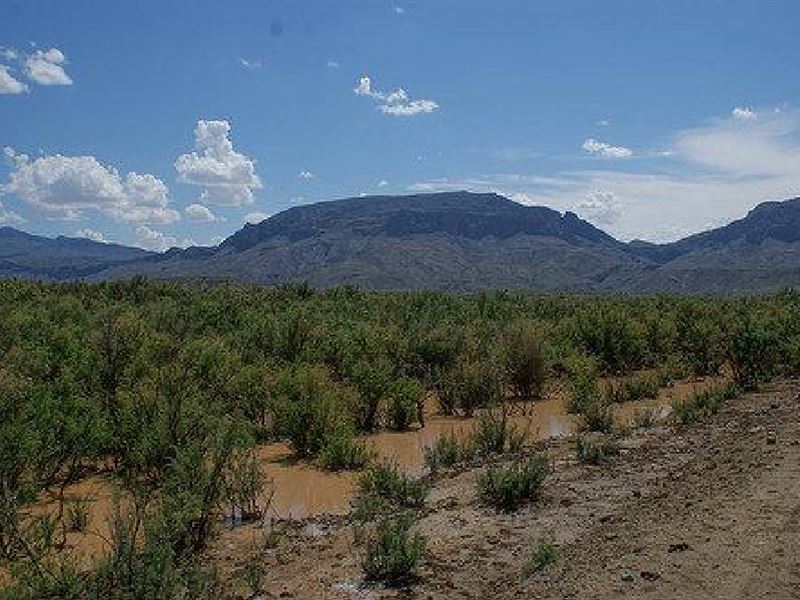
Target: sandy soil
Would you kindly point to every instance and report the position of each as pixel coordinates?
(706, 511)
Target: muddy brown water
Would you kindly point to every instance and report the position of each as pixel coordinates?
(302, 490)
(299, 489)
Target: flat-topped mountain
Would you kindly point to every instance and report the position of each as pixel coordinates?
(457, 241)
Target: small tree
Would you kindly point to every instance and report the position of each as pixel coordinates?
(524, 360)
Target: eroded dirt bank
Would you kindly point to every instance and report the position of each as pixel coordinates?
(706, 511)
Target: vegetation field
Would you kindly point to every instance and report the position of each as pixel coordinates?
(168, 390)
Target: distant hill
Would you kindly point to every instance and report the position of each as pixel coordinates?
(32, 256)
(462, 241)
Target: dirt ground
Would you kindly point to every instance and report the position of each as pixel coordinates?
(710, 510)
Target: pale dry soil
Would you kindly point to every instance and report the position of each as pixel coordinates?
(710, 510)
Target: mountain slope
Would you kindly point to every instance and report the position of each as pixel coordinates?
(452, 241)
(457, 241)
(33, 256)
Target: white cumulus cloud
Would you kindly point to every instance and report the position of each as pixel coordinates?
(599, 206)
(9, 84)
(397, 103)
(152, 239)
(91, 234)
(743, 112)
(598, 148)
(45, 67)
(200, 214)
(305, 175)
(227, 177)
(65, 187)
(255, 217)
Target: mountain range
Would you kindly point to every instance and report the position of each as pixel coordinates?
(454, 241)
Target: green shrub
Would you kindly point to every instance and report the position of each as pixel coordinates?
(308, 406)
(583, 391)
(632, 388)
(387, 482)
(703, 404)
(343, 451)
(610, 335)
(597, 416)
(751, 354)
(524, 360)
(595, 449)
(393, 553)
(448, 451)
(470, 385)
(403, 404)
(372, 379)
(494, 434)
(542, 554)
(506, 488)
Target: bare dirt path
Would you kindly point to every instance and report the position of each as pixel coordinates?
(706, 511)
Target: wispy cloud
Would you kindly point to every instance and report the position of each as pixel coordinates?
(250, 64)
(605, 150)
(709, 175)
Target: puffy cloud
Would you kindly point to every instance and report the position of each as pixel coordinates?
(45, 67)
(383, 183)
(151, 239)
(255, 217)
(743, 112)
(91, 234)
(598, 148)
(227, 177)
(305, 175)
(200, 214)
(9, 84)
(9, 53)
(396, 103)
(65, 187)
(599, 206)
(364, 88)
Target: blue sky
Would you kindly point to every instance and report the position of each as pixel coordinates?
(650, 119)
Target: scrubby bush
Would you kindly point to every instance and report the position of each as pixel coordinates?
(703, 404)
(393, 553)
(595, 448)
(404, 403)
(470, 385)
(524, 360)
(342, 450)
(542, 554)
(611, 336)
(384, 486)
(632, 388)
(751, 352)
(308, 406)
(448, 451)
(495, 434)
(506, 488)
